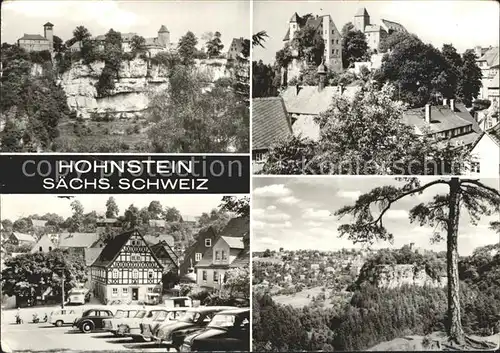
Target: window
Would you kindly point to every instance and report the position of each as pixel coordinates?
(337, 41)
(124, 290)
(475, 167)
(197, 256)
(217, 255)
(50, 248)
(259, 156)
(150, 274)
(216, 276)
(333, 51)
(40, 249)
(115, 291)
(115, 273)
(150, 290)
(135, 274)
(205, 276)
(208, 242)
(333, 32)
(224, 255)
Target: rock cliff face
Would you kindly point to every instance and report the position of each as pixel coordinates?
(394, 276)
(130, 97)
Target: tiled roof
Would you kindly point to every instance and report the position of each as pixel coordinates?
(361, 12)
(310, 100)
(91, 254)
(233, 242)
(159, 247)
(494, 133)
(77, 240)
(33, 37)
(112, 249)
(24, 237)
(158, 238)
(243, 260)
(314, 22)
(270, 122)
(393, 25)
(491, 57)
(236, 227)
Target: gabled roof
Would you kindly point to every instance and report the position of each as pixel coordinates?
(271, 122)
(91, 254)
(159, 238)
(115, 245)
(206, 232)
(314, 22)
(238, 42)
(24, 237)
(243, 259)
(77, 240)
(361, 12)
(287, 35)
(33, 37)
(48, 24)
(168, 249)
(494, 133)
(233, 242)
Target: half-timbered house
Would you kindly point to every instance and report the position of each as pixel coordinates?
(126, 270)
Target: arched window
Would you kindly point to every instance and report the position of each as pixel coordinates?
(115, 273)
(135, 274)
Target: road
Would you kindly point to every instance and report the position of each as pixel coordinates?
(46, 337)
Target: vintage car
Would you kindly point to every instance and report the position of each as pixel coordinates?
(195, 319)
(92, 319)
(78, 296)
(164, 316)
(131, 327)
(121, 315)
(228, 331)
(65, 316)
(177, 302)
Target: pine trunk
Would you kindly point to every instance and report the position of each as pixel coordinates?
(455, 330)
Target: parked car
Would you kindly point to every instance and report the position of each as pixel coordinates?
(132, 326)
(228, 331)
(78, 296)
(92, 319)
(112, 324)
(195, 319)
(164, 316)
(61, 317)
(174, 302)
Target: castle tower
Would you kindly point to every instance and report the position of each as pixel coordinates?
(294, 25)
(48, 33)
(361, 19)
(163, 36)
(322, 76)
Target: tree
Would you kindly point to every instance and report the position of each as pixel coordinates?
(7, 224)
(137, 44)
(442, 212)
(81, 33)
(455, 64)
(418, 70)
(469, 83)
(237, 282)
(214, 45)
(190, 120)
(30, 275)
(238, 205)
(155, 209)
(131, 219)
(76, 220)
(364, 135)
(309, 44)
(354, 46)
(187, 48)
(172, 214)
(22, 225)
(266, 80)
(259, 38)
(112, 209)
(58, 44)
(284, 56)
(267, 253)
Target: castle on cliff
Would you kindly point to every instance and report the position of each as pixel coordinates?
(37, 42)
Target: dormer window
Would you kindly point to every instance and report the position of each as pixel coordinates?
(197, 256)
(208, 242)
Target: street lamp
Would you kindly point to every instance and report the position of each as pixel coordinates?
(63, 279)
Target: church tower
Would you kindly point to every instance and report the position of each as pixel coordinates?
(361, 19)
(294, 25)
(163, 36)
(48, 33)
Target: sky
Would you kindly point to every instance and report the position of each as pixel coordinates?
(296, 213)
(231, 18)
(17, 206)
(465, 24)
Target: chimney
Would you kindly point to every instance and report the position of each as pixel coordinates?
(428, 113)
(322, 76)
(452, 105)
(445, 102)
